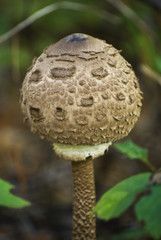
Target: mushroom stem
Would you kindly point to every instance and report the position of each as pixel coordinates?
(81, 156)
(84, 225)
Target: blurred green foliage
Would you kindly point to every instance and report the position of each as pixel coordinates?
(132, 150)
(115, 201)
(137, 33)
(43, 32)
(142, 190)
(138, 44)
(147, 210)
(130, 234)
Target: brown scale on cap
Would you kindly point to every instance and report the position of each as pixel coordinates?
(79, 85)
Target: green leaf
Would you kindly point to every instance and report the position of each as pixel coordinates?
(132, 151)
(115, 201)
(7, 199)
(148, 209)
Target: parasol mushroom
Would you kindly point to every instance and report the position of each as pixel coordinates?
(81, 95)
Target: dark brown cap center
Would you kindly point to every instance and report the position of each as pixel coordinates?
(78, 37)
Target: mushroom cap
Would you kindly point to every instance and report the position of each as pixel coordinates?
(81, 91)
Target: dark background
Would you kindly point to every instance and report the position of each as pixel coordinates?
(30, 163)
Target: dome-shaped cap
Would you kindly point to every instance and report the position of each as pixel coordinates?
(81, 91)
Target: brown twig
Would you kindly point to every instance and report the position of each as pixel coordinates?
(151, 73)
